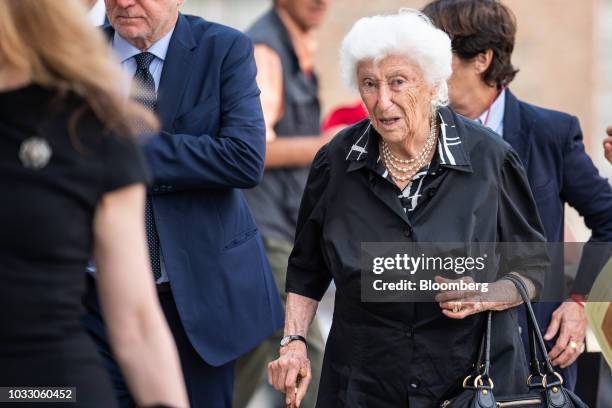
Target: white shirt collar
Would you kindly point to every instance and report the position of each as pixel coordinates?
(125, 50)
(496, 114)
(97, 14)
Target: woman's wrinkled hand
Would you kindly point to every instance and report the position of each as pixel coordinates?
(458, 304)
(290, 373)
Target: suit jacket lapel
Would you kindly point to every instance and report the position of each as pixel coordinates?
(175, 74)
(517, 128)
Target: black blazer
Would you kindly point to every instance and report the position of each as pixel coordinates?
(478, 192)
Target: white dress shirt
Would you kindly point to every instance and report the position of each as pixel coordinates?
(126, 52)
(496, 114)
(97, 14)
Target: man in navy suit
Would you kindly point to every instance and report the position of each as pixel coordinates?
(550, 146)
(214, 281)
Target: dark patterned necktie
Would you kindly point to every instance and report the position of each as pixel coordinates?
(144, 86)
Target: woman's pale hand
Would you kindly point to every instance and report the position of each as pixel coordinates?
(458, 304)
(290, 373)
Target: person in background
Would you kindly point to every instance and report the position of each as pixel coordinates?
(604, 389)
(212, 277)
(345, 115)
(284, 52)
(74, 187)
(549, 144)
(607, 144)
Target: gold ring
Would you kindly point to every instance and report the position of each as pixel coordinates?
(302, 372)
(573, 344)
(457, 307)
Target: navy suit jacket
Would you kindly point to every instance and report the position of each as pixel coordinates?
(559, 171)
(211, 146)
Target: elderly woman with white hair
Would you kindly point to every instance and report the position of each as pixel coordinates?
(413, 171)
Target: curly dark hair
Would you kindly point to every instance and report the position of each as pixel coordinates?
(475, 26)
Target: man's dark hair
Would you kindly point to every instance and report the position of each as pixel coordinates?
(475, 26)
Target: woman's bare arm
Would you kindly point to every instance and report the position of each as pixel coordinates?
(139, 335)
(501, 295)
(283, 372)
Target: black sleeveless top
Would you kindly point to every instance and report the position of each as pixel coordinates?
(275, 202)
(46, 238)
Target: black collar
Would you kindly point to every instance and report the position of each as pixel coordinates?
(449, 152)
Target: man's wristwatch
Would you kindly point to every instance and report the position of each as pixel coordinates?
(292, 337)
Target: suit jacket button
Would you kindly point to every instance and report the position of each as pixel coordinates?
(408, 232)
(156, 189)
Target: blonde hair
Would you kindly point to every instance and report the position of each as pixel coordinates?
(55, 45)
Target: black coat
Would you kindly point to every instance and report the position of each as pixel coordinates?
(386, 354)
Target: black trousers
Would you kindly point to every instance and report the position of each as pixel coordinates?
(207, 386)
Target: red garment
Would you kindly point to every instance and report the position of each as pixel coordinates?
(345, 115)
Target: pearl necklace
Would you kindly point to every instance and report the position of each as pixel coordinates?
(393, 162)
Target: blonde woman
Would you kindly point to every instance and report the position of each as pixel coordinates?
(72, 185)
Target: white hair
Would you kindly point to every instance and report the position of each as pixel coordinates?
(408, 33)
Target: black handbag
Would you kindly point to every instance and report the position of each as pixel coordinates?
(545, 384)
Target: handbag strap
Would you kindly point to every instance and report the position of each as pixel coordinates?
(482, 349)
(538, 341)
(487, 351)
(534, 364)
(481, 368)
(536, 344)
